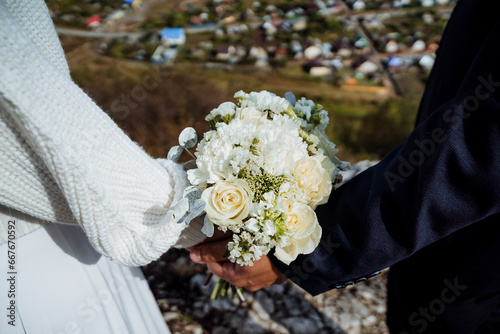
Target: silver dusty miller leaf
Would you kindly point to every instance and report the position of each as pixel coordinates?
(192, 193)
(179, 210)
(208, 227)
(174, 153)
(290, 97)
(188, 138)
(195, 209)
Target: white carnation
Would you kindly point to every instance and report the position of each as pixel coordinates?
(263, 101)
(226, 111)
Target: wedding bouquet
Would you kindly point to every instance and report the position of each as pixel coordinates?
(262, 169)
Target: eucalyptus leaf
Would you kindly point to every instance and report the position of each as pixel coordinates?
(188, 138)
(208, 227)
(195, 209)
(179, 210)
(192, 193)
(290, 97)
(174, 153)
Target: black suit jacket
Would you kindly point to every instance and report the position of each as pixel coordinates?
(442, 185)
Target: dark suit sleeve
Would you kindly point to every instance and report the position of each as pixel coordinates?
(444, 177)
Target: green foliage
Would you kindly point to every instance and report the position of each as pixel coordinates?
(387, 127)
(261, 182)
(149, 48)
(173, 18)
(380, 129)
(176, 18)
(154, 23)
(121, 50)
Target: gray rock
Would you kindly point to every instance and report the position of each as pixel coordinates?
(345, 320)
(196, 282)
(235, 320)
(198, 314)
(255, 318)
(162, 304)
(223, 304)
(260, 311)
(366, 294)
(266, 301)
(329, 311)
(369, 321)
(278, 329)
(168, 316)
(380, 309)
(359, 308)
(300, 325)
(355, 329)
(221, 330)
(250, 327)
(206, 306)
(277, 289)
(195, 329)
(293, 307)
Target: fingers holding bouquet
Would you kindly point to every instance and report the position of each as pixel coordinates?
(259, 276)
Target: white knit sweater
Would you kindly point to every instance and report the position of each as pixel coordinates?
(63, 160)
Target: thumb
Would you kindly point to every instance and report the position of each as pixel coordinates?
(209, 252)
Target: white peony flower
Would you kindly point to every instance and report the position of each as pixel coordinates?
(263, 101)
(225, 110)
(251, 114)
(228, 202)
(314, 176)
(280, 145)
(303, 223)
(198, 176)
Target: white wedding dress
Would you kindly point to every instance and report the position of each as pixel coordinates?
(65, 286)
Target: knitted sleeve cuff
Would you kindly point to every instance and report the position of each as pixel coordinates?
(179, 177)
(192, 234)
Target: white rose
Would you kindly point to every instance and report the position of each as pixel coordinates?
(314, 176)
(228, 202)
(302, 221)
(251, 114)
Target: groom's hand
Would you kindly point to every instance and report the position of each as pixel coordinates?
(261, 275)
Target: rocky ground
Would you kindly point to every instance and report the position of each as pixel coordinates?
(187, 308)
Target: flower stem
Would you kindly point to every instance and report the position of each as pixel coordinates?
(240, 294)
(215, 292)
(185, 149)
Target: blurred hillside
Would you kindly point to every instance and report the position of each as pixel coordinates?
(364, 121)
(366, 65)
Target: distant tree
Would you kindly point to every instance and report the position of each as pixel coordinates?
(175, 18)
